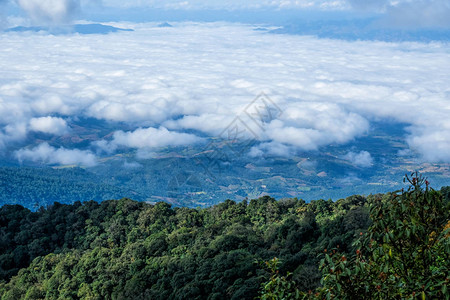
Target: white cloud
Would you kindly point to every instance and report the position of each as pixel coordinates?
(432, 143)
(146, 138)
(132, 165)
(201, 76)
(362, 159)
(51, 125)
(46, 154)
(50, 11)
(229, 4)
(271, 149)
(210, 123)
(309, 125)
(12, 133)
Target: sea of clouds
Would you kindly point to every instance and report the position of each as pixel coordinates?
(177, 86)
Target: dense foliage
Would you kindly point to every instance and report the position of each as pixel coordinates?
(125, 249)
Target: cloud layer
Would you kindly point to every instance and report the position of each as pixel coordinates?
(200, 77)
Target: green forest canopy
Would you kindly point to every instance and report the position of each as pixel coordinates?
(124, 249)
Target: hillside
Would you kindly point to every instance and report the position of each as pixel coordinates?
(124, 249)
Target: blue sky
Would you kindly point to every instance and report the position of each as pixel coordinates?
(398, 13)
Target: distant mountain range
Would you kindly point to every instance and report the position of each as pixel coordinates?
(78, 28)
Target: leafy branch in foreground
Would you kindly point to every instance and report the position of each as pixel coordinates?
(279, 287)
(405, 253)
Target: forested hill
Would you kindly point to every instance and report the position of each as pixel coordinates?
(124, 249)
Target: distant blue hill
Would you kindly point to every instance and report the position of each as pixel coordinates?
(165, 24)
(78, 28)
